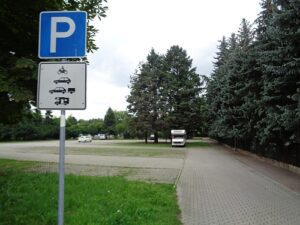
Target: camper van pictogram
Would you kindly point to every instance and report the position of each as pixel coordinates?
(61, 101)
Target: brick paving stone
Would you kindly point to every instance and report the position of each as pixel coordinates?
(216, 188)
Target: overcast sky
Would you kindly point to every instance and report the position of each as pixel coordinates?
(133, 27)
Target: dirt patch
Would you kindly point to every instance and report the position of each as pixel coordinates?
(154, 175)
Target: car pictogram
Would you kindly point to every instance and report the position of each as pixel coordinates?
(58, 90)
(63, 80)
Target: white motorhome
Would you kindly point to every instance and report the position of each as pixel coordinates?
(178, 137)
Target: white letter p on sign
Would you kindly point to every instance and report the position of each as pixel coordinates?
(55, 34)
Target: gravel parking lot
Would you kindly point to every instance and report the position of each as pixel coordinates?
(102, 158)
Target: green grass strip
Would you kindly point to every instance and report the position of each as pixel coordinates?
(31, 199)
(189, 143)
(143, 144)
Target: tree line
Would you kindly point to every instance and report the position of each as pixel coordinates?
(35, 126)
(251, 100)
(253, 94)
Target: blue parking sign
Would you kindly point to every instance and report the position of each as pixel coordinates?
(62, 34)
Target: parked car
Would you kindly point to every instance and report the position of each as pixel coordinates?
(58, 89)
(85, 139)
(151, 137)
(100, 137)
(63, 80)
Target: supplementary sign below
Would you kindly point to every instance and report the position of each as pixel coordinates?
(62, 85)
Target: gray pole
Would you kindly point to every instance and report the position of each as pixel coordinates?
(62, 136)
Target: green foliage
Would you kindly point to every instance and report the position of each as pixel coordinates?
(165, 95)
(122, 124)
(147, 95)
(34, 126)
(183, 91)
(31, 198)
(74, 128)
(253, 93)
(19, 47)
(109, 123)
(281, 75)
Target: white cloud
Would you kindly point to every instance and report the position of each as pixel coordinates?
(133, 27)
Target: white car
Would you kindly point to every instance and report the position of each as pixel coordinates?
(102, 136)
(85, 139)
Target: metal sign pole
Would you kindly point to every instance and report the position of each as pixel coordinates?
(62, 136)
(71, 44)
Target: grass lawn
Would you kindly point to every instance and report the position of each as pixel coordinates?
(127, 150)
(120, 148)
(134, 149)
(164, 145)
(31, 199)
(150, 144)
(139, 149)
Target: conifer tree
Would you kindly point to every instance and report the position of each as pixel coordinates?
(280, 53)
(215, 90)
(109, 123)
(184, 87)
(254, 94)
(146, 98)
(165, 94)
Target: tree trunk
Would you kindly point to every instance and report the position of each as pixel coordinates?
(146, 137)
(155, 137)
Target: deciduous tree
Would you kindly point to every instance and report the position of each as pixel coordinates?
(19, 49)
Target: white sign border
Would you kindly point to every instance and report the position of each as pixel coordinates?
(62, 57)
(38, 89)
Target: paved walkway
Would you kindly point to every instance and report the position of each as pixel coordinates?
(217, 188)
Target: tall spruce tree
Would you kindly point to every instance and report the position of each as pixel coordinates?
(184, 87)
(222, 123)
(254, 94)
(214, 90)
(165, 94)
(229, 89)
(109, 123)
(279, 58)
(262, 45)
(147, 99)
(243, 78)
